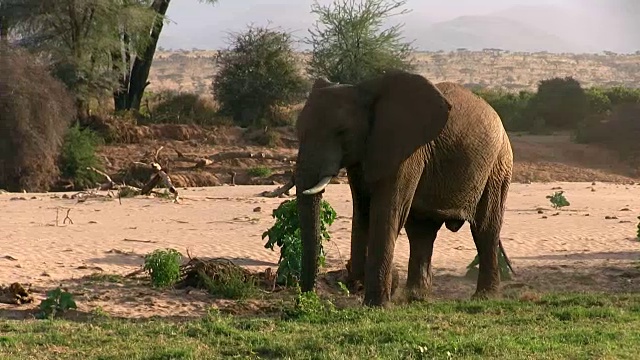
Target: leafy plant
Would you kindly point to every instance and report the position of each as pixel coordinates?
(353, 40)
(285, 233)
(232, 284)
(638, 231)
(505, 272)
(309, 306)
(163, 266)
(57, 301)
(79, 153)
(260, 171)
(558, 200)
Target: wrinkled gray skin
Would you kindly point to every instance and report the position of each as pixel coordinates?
(416, 155)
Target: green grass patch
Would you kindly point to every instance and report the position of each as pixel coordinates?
(554, 327)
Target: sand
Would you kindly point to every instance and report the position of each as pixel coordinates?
(593, 235)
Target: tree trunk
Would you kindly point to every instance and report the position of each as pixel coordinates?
(142, 63)
(121, 95)
(4, 29)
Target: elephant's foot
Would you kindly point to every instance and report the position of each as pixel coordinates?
(381, 296)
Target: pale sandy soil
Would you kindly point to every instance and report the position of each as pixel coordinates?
(578, 249)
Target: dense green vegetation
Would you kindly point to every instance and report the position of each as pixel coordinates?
(553, 327)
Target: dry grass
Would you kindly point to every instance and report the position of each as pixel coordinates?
(36, 112)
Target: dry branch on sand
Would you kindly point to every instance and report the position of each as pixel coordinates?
(283, 190)
(159, 175)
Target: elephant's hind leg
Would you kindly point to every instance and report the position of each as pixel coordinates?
(422, 235)
(486, 229)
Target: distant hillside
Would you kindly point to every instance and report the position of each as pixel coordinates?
(192, 71)
(480, 32)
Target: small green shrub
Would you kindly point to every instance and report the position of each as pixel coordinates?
(78, 153)
(285, 233)
(638, 230)
(512, 108)
(163, 267)
(260, 171)
(558, 200)
(57, 302)
(503, 266)
(308, 306)
(230, 283)
(170, 107)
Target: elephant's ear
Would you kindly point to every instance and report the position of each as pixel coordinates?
(407, 111)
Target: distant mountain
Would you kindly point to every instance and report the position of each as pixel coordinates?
(520, 28)
(479, 32)
(581, 29)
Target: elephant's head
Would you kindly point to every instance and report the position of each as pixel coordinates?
(375, 124)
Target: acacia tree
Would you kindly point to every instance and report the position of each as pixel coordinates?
(95, 46)
(258, 72)
(350, 42)
(79, 38)
(134, 82)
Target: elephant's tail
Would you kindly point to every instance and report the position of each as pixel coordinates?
(506, 258)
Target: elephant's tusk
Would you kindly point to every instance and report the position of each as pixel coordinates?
(321, 185)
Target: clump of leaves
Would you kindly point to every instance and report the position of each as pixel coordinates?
(638, 231)
(308, 306)
(558, 200)
(57, 301)
(260, 171)
(163, 267)
(231, 283)
(77, 155)
(285, 233)
(505, 272)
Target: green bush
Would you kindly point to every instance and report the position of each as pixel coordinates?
(260, 171)
(512, 108)
(78, 153)
(257, 74)
(560, 102)
(619, 95)
(285, 233)
(598, 101)
(170, 107)
(163, 267)
(351, 40)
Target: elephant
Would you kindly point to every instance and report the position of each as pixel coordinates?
(417, 155)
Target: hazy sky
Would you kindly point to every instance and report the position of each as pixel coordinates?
(206, 26)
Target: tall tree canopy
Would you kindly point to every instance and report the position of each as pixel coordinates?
(95, 46)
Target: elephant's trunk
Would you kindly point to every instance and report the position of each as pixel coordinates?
(314, 170)
(309, 217)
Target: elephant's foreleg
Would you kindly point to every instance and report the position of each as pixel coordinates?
(422, 235)
(390, 205)
(359, 229)
(486, 235)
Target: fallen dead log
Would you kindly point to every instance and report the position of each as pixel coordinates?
(160, 175)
